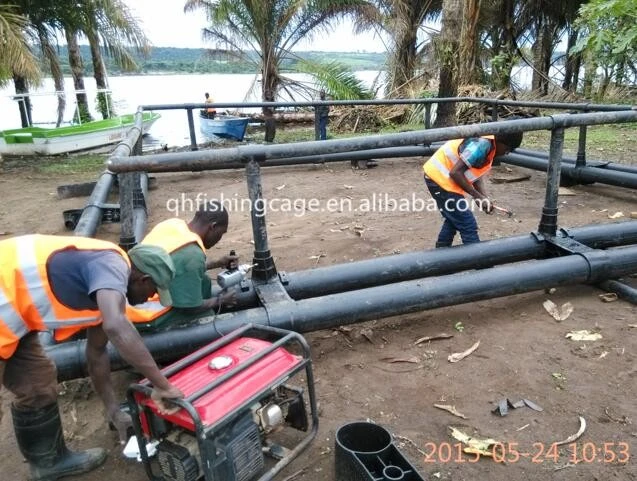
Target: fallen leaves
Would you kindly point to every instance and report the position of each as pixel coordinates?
(557, 313)
(608, 297)
(576, 436)
(450, 409)
(433, 338)
(583, 335)
(616, 215)
(484, 447)
(459, 356)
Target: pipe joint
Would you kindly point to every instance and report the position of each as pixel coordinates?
(599, 266)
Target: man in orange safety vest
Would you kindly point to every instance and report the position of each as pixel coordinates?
(65, 285)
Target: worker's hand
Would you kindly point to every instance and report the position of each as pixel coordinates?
(228, 298)
(229, 261)
(122, 423)
(485, 205)
(162, 398)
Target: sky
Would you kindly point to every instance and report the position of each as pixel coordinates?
(166, 25)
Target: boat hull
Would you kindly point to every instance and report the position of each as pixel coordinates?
(224, 126)
(55, 141)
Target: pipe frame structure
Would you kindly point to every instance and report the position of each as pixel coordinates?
(202, 160)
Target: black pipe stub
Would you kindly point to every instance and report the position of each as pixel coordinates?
(365, 452)
(265, 268)
(71, 218)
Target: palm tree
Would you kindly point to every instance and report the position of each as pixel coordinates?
(401, 21)
(447, 49)
(109, 24)
(264, 32)
(17, 60)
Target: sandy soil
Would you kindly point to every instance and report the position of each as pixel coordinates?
(523, 351)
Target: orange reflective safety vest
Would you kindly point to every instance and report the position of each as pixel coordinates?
(27, 302)
(438, 167)
(170, 235)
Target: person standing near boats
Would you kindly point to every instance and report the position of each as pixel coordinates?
(210, 112)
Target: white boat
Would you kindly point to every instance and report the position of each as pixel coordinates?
(31, 141)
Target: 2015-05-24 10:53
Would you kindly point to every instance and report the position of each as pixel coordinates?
(511, 452)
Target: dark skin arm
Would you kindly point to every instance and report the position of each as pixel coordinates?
(223, 262)
(226, 298)
(117, 329)
(476, 190)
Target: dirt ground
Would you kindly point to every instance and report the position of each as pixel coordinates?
(523, 351)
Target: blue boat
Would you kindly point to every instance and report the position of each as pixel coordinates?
(224, 126)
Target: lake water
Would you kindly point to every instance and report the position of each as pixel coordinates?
(132, 91)
(172, 128)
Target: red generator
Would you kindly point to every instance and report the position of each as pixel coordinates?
(239, 406)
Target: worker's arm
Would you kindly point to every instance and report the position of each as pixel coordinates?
(226, 298)
(480, 186)
(457, 175)
(121, 333)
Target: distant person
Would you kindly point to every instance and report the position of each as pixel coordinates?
(210, 112)
(322, 112)
(456, 169)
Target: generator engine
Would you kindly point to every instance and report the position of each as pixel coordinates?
(244, 415)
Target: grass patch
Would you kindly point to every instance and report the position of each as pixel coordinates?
(81, 164)
(600, 139)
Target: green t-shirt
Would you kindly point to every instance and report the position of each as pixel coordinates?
(191, 285)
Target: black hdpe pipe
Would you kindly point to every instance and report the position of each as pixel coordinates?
(428, 263)
(202, 160)
(91, 216)
(579, 174)
(597, 164)
(372, 303)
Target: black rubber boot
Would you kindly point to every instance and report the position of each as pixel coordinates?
(41, 441)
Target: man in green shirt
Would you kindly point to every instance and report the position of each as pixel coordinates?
(191, 288)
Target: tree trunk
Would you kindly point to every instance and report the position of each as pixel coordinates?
(56, 72)
(104, 101)
(77, 71)
(569, 68)
(448, 49)
(504, 48)
(403, 54)
(469, 42)
(269, 86)
(590, 73)
(24, 103)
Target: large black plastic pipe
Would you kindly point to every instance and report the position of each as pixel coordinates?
(597, 164)
(326, 280)
(373, 303)
(92, 214)
(579, 174)
(202, 160)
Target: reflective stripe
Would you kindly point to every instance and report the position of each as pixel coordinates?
(11, 317)
(152, 306)
(36, 288)
(442, 168)
(29, 267)
(451, 155)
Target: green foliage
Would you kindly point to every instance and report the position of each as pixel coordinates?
(197, 60)
(337, 79)
(610, 30)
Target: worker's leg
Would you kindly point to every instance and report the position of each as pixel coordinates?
(32, 378)
(466, 223)
(444, 201)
